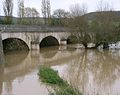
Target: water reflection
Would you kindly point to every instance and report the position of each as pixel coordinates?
(1, 77)
(15, 57)
(1, 56)
(93, 72)
(49, 52)
(71, 49)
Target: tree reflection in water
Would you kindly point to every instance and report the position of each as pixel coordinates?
(1, 77)
(95, 72)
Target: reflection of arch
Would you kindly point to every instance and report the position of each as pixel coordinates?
(49, 41)
(18, 55)
(49, 52)
(72, 39)
(15, 44)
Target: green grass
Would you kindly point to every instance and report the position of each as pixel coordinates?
(49, 76)
(67, 90)
(60, 86)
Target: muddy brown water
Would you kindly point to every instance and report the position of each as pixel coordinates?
(93, 72)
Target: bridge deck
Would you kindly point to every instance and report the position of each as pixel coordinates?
(31, 28)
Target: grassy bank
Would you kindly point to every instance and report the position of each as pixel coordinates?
(61, 87)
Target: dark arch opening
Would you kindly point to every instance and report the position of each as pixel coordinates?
(14, 44)
(49, 41)
(72, 39)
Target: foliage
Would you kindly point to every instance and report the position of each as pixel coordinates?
(8, 20)
(1, 21)
(57, 22)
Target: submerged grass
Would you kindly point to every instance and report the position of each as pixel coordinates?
(60, 86)
(49, 76)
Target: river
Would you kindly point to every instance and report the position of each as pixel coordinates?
(94, 72)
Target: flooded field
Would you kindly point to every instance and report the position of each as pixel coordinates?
(93, 72)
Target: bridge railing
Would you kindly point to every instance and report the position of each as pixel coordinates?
(32, 28)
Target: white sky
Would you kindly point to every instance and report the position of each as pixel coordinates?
(63, 4)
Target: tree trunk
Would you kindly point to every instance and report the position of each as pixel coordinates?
(97, 45)
(85, 45)
(105, 46)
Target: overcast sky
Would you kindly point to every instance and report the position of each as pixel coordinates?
(63, 4)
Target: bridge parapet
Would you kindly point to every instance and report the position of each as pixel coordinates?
(32, 28)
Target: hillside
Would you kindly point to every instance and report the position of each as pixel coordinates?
(92, 15)
(89, 16)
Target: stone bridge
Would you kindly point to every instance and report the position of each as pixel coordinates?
(33, 36)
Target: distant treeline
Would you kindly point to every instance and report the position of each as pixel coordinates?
(53, 20)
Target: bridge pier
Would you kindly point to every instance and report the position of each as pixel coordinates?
(35, 46)
(63, 42)
(1, 50)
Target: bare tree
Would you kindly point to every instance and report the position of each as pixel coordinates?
(104, 24)
(21, 8)
(60, 16)
(78, 10)
(60, 13)
(31, 15)
(8, 10)
(21, 11)
(30, 12)
(104, 6)
(80, 24)
(46, 10)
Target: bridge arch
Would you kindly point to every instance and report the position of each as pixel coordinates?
(15, 42)
(22, 36)
(49, 41)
